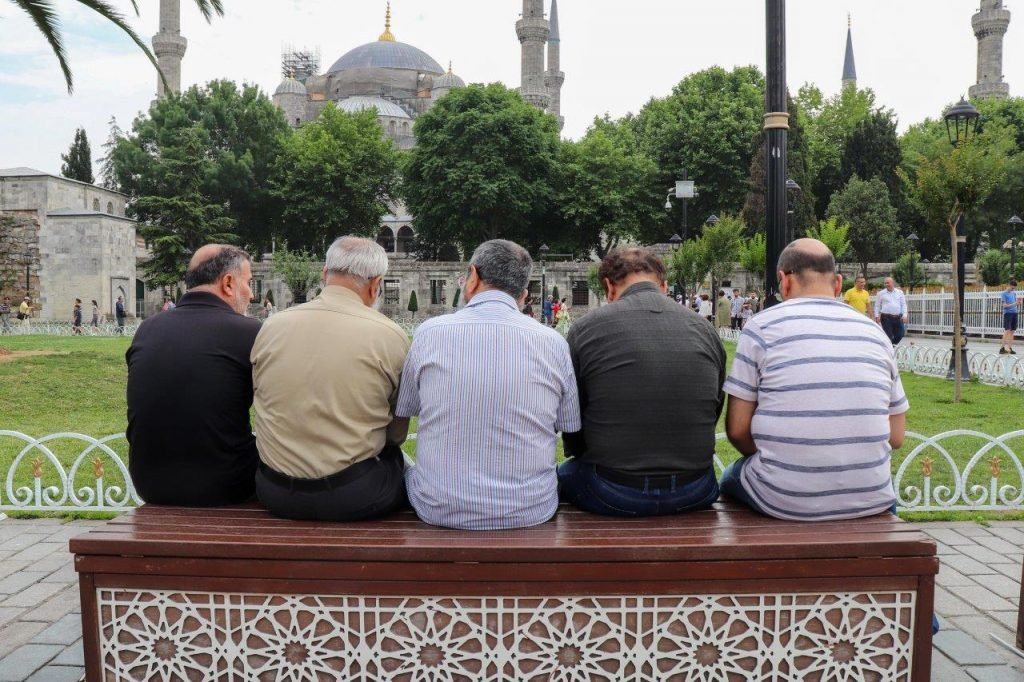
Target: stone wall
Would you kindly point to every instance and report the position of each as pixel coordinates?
(19, 241)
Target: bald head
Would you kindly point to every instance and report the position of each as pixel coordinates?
(222, 270)
(808, 268)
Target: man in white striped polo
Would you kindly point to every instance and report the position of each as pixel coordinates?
(492, 390)
(816, 404)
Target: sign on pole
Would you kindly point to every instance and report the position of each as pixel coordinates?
(684, 189)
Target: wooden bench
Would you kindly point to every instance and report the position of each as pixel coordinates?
(235, 594)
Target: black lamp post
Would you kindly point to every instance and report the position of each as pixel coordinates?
(28, 281)
(712, 220)
(791, 189)
(675, 240)
(912, 274)
(961, 125)
(1015, 222)
(543, 274)
(776, 126)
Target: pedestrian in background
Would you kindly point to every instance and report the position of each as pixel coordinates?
(120, 314)
(76, 318)
(891, 311)
(95, 316)
(25, 313)
(1011, 316)
(5, 315)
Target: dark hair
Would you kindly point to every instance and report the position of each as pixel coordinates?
(503, 265)
(794, 261)
(1013, 283)
(94, 302)
(620, 263)
(209, 271)
(78, 300)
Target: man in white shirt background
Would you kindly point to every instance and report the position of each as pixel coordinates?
(891, 311)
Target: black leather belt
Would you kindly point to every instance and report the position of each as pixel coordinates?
(641, 481)
(343, 477)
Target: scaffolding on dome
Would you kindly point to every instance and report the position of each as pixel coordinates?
(300, 64)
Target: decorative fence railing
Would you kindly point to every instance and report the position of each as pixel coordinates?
(989, 368)
(933, 313)
(60, 328)
(958, 470)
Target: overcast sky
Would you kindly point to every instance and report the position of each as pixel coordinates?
(918, 55)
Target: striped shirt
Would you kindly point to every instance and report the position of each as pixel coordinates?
(492, 389)
(825, 382)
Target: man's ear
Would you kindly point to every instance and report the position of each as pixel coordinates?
(664, 287)
(609, 289)
(839, 284)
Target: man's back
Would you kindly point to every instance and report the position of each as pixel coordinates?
(825, 381)
(189, 393)
(491, 389)
(650, 375)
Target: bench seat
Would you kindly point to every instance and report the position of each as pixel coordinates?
(236, 594)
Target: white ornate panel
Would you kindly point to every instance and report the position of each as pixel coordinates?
(166, 635)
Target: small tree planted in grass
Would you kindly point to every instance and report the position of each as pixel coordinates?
(594, 282)
(554, 292)
(413, 304)
(994, 267)
(688, 264)
(299, 270)
(833, 235)
(455, 298)
(908, 270)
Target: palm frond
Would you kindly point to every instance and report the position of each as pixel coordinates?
(45, 19)
(113, 16)
(208, 7)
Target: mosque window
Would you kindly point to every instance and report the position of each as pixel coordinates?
(110, 208)
(437, 296)
(392, 126)
(580, 292)
(386, 238)
(534, 289)
(96, 205)
(405, 239)
(297, 122)
(391, 292)
(256, 286)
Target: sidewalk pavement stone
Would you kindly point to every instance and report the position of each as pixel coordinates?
(946, 604)
(950, 577)
(17, 582)
(65, 631)
(19, 665)
(997, 544)
(17, 633)
(1012, 535)
(967, 565)
(72, 655)
(945, 670)
(32, 595)
(58, 673)
(1007, 588)
(988, 556)
(982, 598)
(997, 673)
(949, 536)
(964, 649)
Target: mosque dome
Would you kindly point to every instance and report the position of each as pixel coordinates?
(387, 53)
(290, 86)
(383, 107)
(449, 80)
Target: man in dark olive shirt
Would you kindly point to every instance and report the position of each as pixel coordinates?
(650, 376)
(190, 389)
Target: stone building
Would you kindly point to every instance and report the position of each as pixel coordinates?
(990, 25)
(71, 239)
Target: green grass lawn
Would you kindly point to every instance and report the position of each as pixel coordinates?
(81, 388)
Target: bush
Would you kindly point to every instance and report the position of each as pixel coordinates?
(908, 271)
(413, 304)
(994, 267)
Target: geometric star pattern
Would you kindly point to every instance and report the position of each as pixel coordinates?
(173, 635)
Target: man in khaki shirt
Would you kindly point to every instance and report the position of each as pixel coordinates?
(326, 377)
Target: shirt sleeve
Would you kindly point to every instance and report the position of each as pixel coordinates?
(903, 304)
(745, 378)
(898, 403)
(409, 384)
(568, 419)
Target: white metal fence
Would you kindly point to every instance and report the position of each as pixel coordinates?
(933, 313)
(70, 472)
(60, 328)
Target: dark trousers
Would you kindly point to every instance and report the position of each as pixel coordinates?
(893, 327)
(582, 485)
(371, 488)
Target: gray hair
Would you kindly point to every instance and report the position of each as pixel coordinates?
(227, 259)
(503, 265)
(356, 257)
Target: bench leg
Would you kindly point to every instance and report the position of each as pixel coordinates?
(923, 629)
(90, 628)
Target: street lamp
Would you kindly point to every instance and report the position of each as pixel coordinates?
(791, 188)
(543, 274)
(1015, 222)
(776, 127)
(712, 220)
(962, 121)
(912, 274)
(684, 190)
(28, 281)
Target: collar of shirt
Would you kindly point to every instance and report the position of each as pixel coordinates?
(342, 296)
(639, 288)
(492, 296)
(203, 299)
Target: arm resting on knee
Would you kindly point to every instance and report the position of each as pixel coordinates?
(897, 429)
(738, 418)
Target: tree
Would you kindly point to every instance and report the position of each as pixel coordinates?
(873, 150)
(48, 22)
(908, 270)
(298, 269)
(78, 161)
(455, 298)
(829, 123)
(554, 293)
(242, 135)
(753, 256)
(483, 168)
(721, 245)
(335, 177)
(608, 192)
(413, 304)
(864, 207)
(834, 236)
(945, 189)
(108, 174)
(175, 226)
(688, 265)
(705, 127)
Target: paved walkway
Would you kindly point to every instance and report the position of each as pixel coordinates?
(977, 597)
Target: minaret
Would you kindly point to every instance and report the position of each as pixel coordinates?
(849, 66)
(169, 46)
(554, 77)
(533, 31)
(990, 24)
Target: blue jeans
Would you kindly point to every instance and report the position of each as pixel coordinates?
(581, 485)
(893, 327)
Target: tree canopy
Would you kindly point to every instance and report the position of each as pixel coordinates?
(864, 206)
(483, 167)
(78, 161)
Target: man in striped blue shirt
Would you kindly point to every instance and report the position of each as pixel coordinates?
(816, 404)
(492, 390)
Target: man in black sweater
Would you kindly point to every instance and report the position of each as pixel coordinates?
(190, 389)
(650, 375)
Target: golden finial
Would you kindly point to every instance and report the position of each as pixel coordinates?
(387, 36)
(993, 466)
(849, 20)
(37, 467)
(926, 466)
(450, 68)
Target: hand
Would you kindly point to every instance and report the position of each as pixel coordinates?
(906, 319)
